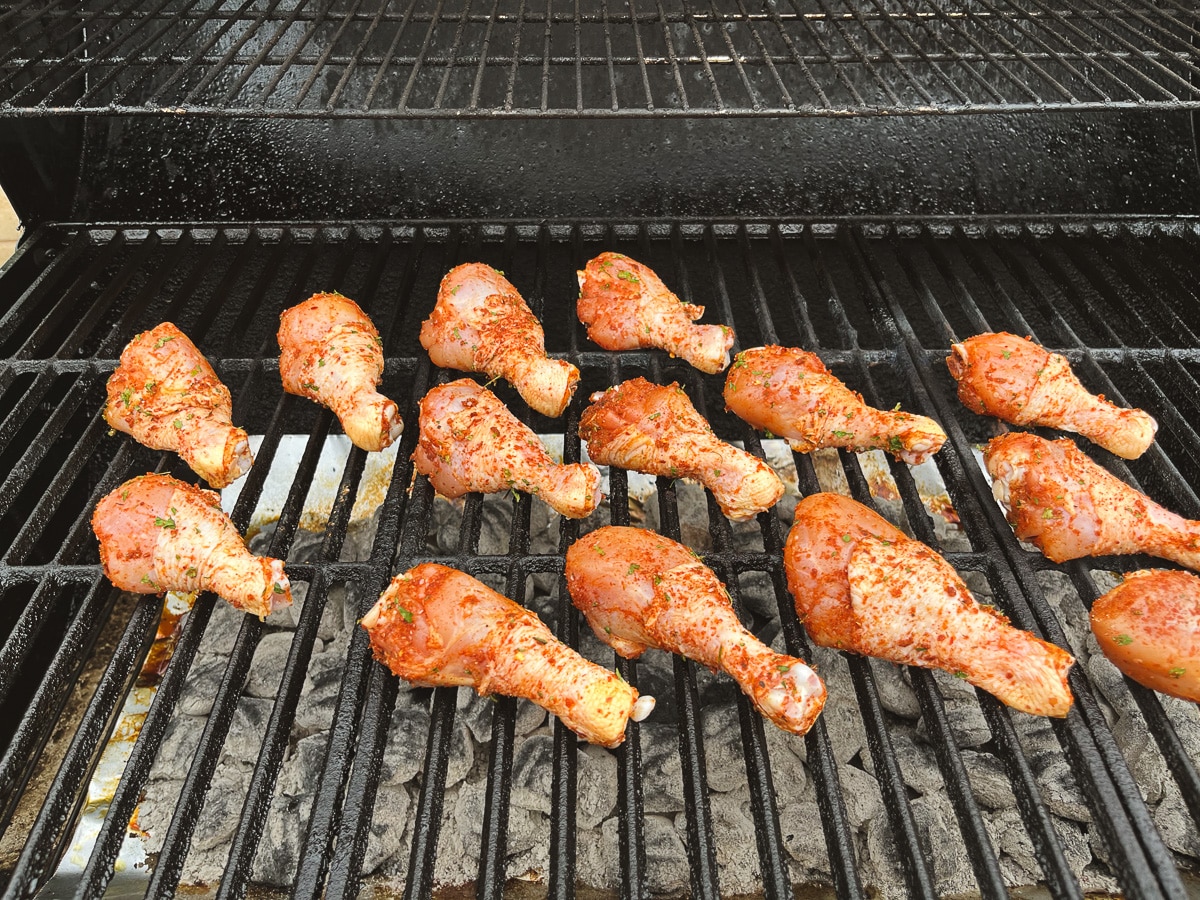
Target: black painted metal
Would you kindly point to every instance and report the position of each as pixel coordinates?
(370, 59)
(880, 301)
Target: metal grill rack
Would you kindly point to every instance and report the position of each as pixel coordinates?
(594, 58)
(879, 301)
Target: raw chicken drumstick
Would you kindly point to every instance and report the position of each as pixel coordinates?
(638, 590)
(1014, 379)
(861, 585)
(330, 352)
(159, 534)
(471, 442)
(481, 324)
(165, 394)
(1149, 628)
(1069, 507)
(438, 627)
(626, 306)
(654, 429)
(789, 392)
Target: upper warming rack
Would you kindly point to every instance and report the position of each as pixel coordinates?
(594, 58)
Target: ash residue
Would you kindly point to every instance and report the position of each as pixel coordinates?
(387, 854)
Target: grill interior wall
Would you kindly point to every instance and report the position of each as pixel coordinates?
(879, 302)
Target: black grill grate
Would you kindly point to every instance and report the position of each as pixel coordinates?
(464, 58)
(880, 301)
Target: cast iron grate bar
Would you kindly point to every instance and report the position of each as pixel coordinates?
(598, 59)
(879, 303)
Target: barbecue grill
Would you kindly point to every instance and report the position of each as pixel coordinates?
(901, 174)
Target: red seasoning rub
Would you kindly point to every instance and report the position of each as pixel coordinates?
(166, 395)
(861, 585)
(1069, 507)
(471, 442)
(790, 393)
(159, 534)
(481, 324)
(626, 306)
(1149, 627)
(438, 627)
(330, 352)
(653, 429)
(1014, 379)
(639, 590)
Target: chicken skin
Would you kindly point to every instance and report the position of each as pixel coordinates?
(626, 306)
(653, 429)
(862, 585)
(438, 627)
(1149, 628)
(159, 534)
(330, 352)
(166, 395)
(1069, 507)
(481, 324)
(471, 442)
(1014, 379)
(638, 589)
(790, 393)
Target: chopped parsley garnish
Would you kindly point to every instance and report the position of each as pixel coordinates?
(191, 572)
(126, 396)
(1123, 639)
(404, 614)
(162, 341)
(629, 276)
(164, 523)
(633, 567)
(1177, 672)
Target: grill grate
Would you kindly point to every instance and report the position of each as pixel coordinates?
(465, 58)
(880, 301)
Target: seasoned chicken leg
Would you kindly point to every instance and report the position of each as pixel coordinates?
(1149, 628)
(861, 585)
(790, 392)
(638, 590)
(626, 306)
(1069, 507)
(1014, 379)
(471, 442)
(481, 324)
(654, 429)
(330, 352)
(438, 627)
(165, 394)
(158, 534)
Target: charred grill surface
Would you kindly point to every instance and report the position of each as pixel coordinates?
(880, 302)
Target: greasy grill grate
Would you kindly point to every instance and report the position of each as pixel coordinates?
(464, 58)
(880, 301)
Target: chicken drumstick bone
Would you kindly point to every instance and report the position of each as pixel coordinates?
(638, 589)
(862, 585)
(166, 395)
(481, 324)
(158, 534)
(330, 352)
(626, 306)
(1069, 507)
(653, 429)
(436, 627)
(789, 392)
(1014, 379)
(471, 442)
